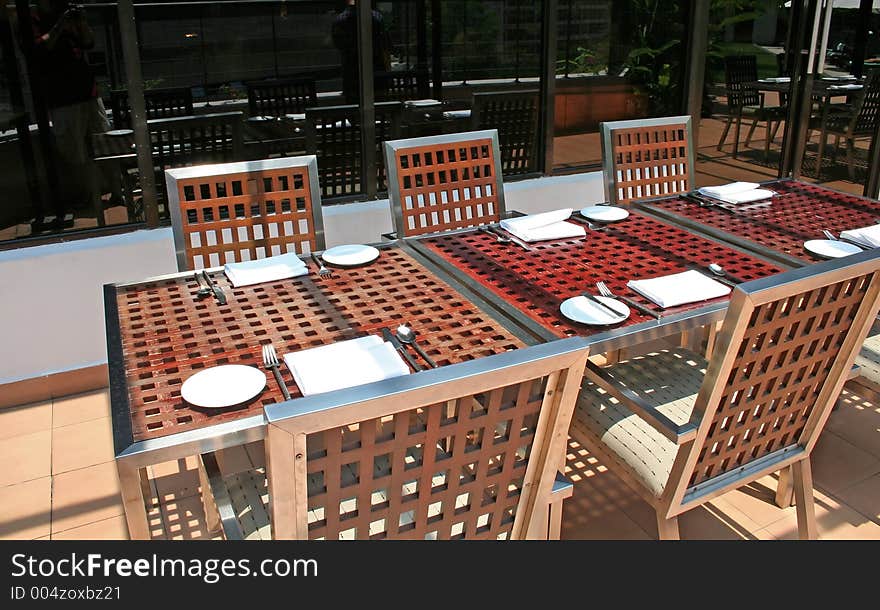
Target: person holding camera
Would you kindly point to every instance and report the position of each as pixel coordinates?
(61, 38)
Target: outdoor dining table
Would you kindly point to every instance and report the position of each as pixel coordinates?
(778, 227)
(159, 334)
(466, 295)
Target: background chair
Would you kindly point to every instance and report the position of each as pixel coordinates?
(465, 451)
(281, 96)
(402, 85)
(745, 100)
(647, 158)
(230, 212)
(859, 122)
(333, 134)
(681, 438)
(159, 103)
(438, 183)
(515, 115)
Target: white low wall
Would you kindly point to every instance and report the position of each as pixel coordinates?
(51, 297)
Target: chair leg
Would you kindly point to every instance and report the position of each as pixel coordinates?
(775, 130)
(212, 515)
(806, 507)
(823, 137)
(850, 158)
(751, 132)
(784, 490)
(725, 132)
(667, 529)
(767, 142)
(736, 136)
(555, 521)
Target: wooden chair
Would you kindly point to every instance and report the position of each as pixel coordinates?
(515, 115)
(469, 450)
(159, 103)
(647, 158)
(230, 212)
(745, 100)
(402, 85)
(859, 122)
(281, 96)
(681, 437)
(333, 134)
(444, 182)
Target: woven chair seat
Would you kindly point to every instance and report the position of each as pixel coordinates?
(668, 380)
(868, 359)
(765, 113)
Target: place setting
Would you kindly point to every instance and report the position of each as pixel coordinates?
(851, 241)
(531, 228)
(734, 193)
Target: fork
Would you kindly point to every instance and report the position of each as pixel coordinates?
(270, 361)
(322, 270)
(829, 235)
(605, 291)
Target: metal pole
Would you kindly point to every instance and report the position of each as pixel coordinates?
(861, 42)
(872, 184)
(421, 35)
(367, 97)
(548, 82)
(698, 44)
(826, 28)
(132, 57)
(794, 137)
(436, 50)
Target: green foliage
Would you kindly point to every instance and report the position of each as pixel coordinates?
(586, 61)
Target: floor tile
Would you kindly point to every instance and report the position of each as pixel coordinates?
(25, 509)
(27, 419)
(81, 445)
(176, 479)
(857, 420)
(757, 501)
(864, 497)
(113, 528)
(80, 408)
(25, 457)
(835, 521)
(838, 464)
(85, 495)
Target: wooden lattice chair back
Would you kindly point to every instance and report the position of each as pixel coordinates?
(868, 108)
(444, 182)
(464, 451)
(207, 138)
(280, 97)
(402, 85)
(785, 349)
(515, 115)
(333, 134)
(235, 212)
(647, 158)
(159, 104)
(738, 70)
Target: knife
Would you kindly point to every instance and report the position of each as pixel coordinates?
(388, 336)
(203, 289)
(513, 238)
(221, 298)
(607, 308)
(705, 203)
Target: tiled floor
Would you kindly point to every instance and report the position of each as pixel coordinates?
(59, 481)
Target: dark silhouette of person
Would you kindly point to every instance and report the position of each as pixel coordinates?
(345, 38)
(61, 38)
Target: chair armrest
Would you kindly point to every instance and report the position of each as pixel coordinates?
(657, 420)
(220, 492)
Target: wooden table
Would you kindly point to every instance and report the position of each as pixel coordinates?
(776, 228)
(159, 334)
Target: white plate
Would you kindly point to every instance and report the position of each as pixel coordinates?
(604, 213)
(119, 132)
(350, 255)
(827, 248)
(261, 118)
(580, 309)
(223, 386)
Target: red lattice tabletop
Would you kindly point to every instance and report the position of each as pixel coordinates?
(167, 335)
(798, 213)
(537, 282)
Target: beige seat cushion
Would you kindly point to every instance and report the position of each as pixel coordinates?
(669, 380)
(869, 361)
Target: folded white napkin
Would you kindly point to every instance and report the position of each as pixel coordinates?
(425, 102)
(265, 270)
(456, 114)
(776, 79)
(296, 116)
(847, 87)
(679, 288)
(736, 192)
(547, 225)
(869, 236)
(345, 364)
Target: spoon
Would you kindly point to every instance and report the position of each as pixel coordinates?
(501, 239)
(408, 336)
(719, 271)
